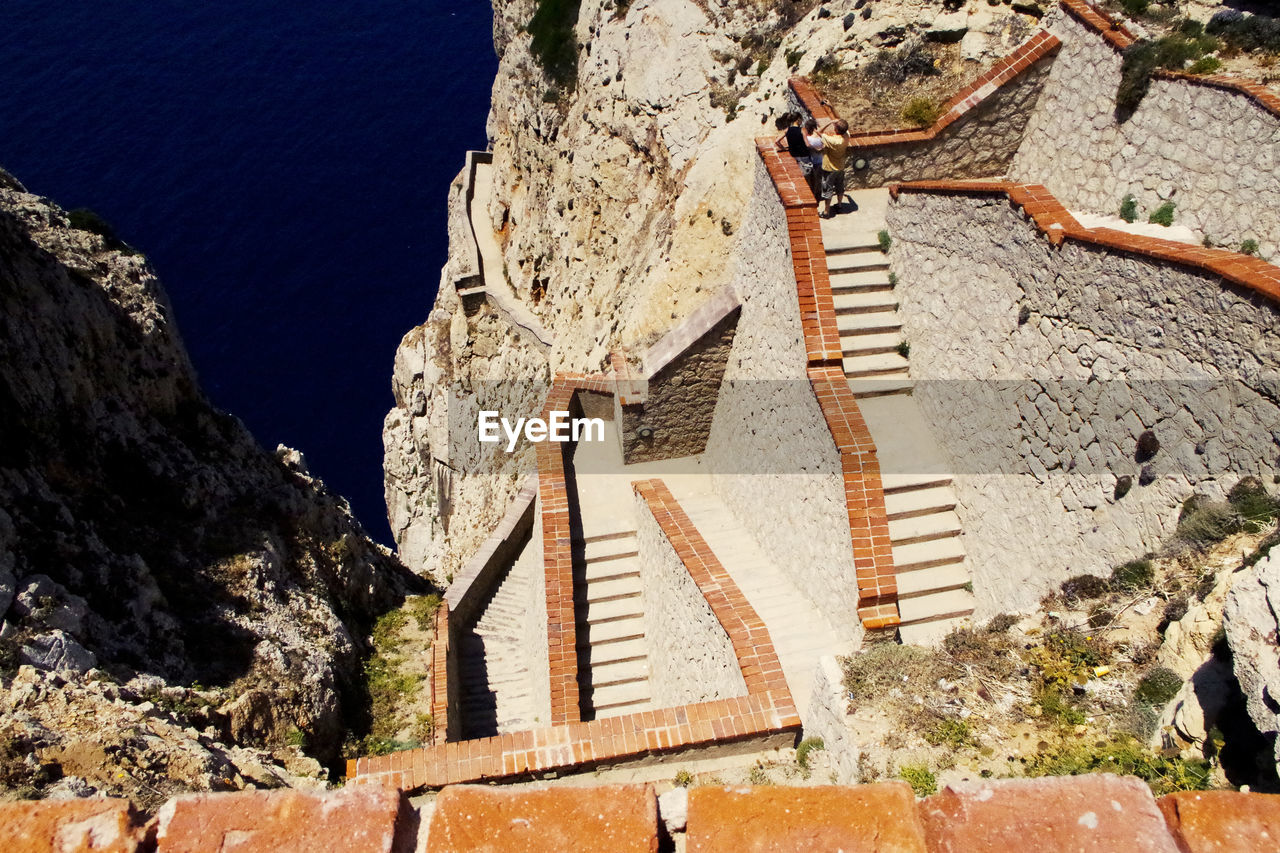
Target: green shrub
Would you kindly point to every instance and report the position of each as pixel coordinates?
(84, 219)
(1249, 247)
(1135, 8)
(1124, 756)
(553, 42)
(1082, 587)
(885, 240)
(551, 96)
(1001, 623)
(1203, 522)
(1158, 686)
(1255, 505)
(904, 349)
(1129, 209)
(422, 609)
(920, 778)
(1246, 32)
(1133, 575)
(880, 668)
(683, 778)
(758, 776)
(296, 737)
(1190, 28)
(1068, 657)
(808, 745)
(1055, 706)
(1162, 215)
(921, 111)
(793, 57)
(761, 66)
(1142, 58)
(954, 734)
(1205, 65)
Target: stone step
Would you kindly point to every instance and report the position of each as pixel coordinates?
(623, 709)
(870, 343)
(604, 654)
(619, 672)
(623, 693)
(932, 632)
(875, 364)
(860, 281)
(857, 258)
(924, 528)
(880, 386)
(613, 589)
(902, 484)
(935, 579)
(611, 611)
(613, 548)
(612, 570)
(868, 322)
(840, 240)
(607, 633)
(910, 502)
(863, 303)
(922, 555)
(937, 605)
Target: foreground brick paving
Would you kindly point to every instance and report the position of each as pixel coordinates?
(1102, 813)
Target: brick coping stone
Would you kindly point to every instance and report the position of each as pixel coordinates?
(1098, 812)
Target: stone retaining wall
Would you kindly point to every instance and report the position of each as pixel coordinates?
(1210, 145)
(1041, 365)
(828, 719)
(1095, 812)
(690, 655)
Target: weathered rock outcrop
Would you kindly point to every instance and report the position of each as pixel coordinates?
(152, 555)
(1252, 621)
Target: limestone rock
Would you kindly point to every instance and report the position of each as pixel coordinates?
(57, 651)
(1252, 619)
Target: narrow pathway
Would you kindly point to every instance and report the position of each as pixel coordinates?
(934, 589)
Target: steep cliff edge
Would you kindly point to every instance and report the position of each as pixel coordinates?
(182, 609)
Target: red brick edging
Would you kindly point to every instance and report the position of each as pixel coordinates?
(441, 716)
(1036, 48)
(860, 468)
(1055, 222)
(752, 646)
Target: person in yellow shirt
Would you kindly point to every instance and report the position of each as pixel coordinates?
(835, 150)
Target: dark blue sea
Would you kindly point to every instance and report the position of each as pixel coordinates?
(283, 165)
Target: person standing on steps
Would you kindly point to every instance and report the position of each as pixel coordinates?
(794, 143)
(835, 149)
(814, 140)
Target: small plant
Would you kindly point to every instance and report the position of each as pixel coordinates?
(1158, 686)
(1249, 247)
(954, 734)
(758, 776)
(903, 348)
(1001, 623)
(1082, 587)
(1129, 209)
(423, 610)
(1068, 657)
(1255, 505)
(807, 746)
(1203, 522)
(683, 778)
(760, 67)
(920, 778)
(885, 240)
(1205, 65)
(921, 111)
(1125, 756)
(296, 738)
(1162, 215)
(1133, 575)
(793, 57)
(1054, 706)
(893, 279)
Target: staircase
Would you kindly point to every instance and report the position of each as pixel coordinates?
(613, 659)
(934, 592)
(495, 694)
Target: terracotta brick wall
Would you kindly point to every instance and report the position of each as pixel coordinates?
(1091, 814)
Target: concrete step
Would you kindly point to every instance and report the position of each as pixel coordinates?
(910, 502)
(623, 709)
(622, 693)
(613, 548)
(863, 303)
(619, 672)
(880, 386)
(937, 605)
(902, 484)
(603, 654)
(875, 342)
(857, 258)
(612, 570)
(600, 590)
(860, 281)
(611, 611)
(935, 579)
(875, 364)
(838, 240)
(932, 632)
(922, 555)
(924, 528)
(869, 322)
(607, 633)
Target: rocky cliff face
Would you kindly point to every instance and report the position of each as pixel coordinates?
(181, 609)
(619, 185)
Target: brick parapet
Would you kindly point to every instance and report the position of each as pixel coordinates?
(444, 725)
(1058, 225)
(757, 660)
(1100, 22)
(1090, 812)
(860, 469)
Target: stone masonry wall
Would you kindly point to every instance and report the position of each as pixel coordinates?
(773, 460)
(828, 719)
(1041, 367)
(690, 656)
(1212, 151)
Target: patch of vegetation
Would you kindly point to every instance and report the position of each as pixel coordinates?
(885, 240)
(921, 111)
(1129, 209)
(1125, 756)
(807, 746)
(793, 57)
(758, 776)
(1162, 215)
(422, 609)
(904, 349)
(955, 734)
(1205, 65)
(1055, 706)
(920, 778)
(553, 42)
(1158, 686)
(1255, 504)
(1249, 507)
(1245, 32)
(984, 648)
(893, 279)
(389, 688)
(1249, 247)
(1068, 657)
(1001, 623)
(873, 673)
(1141, 59)
(895, 66)
(1084, 587)
(84, 219)
(1133, 575)
(1135, 8)
(683, 779)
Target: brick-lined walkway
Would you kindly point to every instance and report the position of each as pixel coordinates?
(1091, 814)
